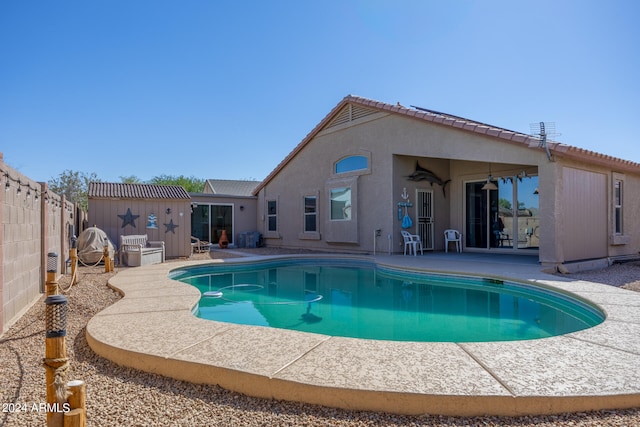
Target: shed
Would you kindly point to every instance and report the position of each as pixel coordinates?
(162, 212)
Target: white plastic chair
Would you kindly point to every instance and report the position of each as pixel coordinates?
(412, 241)
(452, 236)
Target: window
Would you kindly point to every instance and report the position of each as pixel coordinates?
(271, 216)
(617, 206)
(352, 163)
(341, 204)
(310, 214)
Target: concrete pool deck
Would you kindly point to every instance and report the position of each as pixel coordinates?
(153, 329)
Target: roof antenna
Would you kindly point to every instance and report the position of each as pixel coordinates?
(541, 131)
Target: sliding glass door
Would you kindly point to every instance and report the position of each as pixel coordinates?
(475, 232)
(504, 215)
(208, 221)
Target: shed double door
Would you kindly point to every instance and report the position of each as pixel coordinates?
(424, 214)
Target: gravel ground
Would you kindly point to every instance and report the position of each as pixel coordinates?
(118, 396)
(625, 275)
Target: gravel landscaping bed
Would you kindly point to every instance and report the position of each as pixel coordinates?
(118, 396)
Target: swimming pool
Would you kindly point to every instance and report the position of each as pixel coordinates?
(359, 299)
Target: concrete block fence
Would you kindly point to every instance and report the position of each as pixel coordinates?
(35, 221)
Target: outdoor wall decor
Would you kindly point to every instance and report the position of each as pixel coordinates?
(128, 219)
(152, 221)
(422, 174)
(406, 219)
(171, 227)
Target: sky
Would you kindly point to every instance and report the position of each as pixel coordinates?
(226, 89)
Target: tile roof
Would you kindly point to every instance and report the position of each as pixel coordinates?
(462, 124)
(136, 191)
(232, 187)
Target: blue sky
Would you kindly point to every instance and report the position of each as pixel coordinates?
(227, 89)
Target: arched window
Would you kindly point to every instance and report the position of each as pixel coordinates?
(352, 163)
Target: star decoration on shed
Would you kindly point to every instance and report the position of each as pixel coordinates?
(171, 227)
(128, 219)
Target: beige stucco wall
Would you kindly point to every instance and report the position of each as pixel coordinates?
(630, 243)
(584, 226)
(312, 174)
(394, 143)
(103, 213)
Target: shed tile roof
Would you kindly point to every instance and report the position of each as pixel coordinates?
(136, 191)
(232, 187)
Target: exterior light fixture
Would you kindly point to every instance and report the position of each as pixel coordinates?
(52, 270)
(56, 316)
(52, 262)
(489, 184)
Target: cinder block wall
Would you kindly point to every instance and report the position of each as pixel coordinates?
(34, 222)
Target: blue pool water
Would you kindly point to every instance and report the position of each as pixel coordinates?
(358, 299)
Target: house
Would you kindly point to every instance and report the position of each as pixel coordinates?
(229, 187)
(162, 212)
(224, 205)
(370, 169)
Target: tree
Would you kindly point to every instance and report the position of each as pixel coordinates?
(74, 186)
(504, 203)
(131, 179)
(191, 184)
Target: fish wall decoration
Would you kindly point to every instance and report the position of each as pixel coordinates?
(422, 174)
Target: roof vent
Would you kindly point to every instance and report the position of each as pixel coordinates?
(350, 113)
